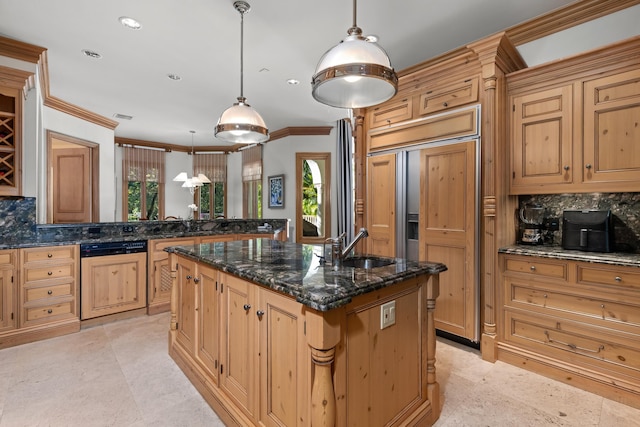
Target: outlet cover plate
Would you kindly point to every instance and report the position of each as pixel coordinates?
(387, 314)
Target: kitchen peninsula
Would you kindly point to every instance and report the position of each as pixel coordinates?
(270, 335)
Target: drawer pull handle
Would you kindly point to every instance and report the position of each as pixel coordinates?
(49, 273)
(601, 305)
(545, 295)
(445, 104)
(572, 346)
(49, 311)
(618, 279)
(50, 292)
(49, 255)
(532, 268)
(247, 307)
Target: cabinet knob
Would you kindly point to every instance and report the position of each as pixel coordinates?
(445, 104)
(247, 307)
(532, 268)
(49, 311)
(49, 292)
(588, 166)
(545, 295)
(189, 277)
(196, 280)
(260, 313)
(49, 255)
(49, 273)
(566, 167)
(618, 279)
(601, 305)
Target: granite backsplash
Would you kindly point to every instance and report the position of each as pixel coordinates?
(625, 210)
(17, 217)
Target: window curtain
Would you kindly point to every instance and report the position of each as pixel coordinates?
(252, 164)
(143, 165)
(344, 150)
(213, 166)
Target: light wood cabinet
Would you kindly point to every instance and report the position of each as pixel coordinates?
(449, 96)
(48, 285)
(575, 133)
(542, 139)
(113, 284)
(186, 300)
(388, 114)
(159, 272)
(612, 131)
(578, 322)
(8, 283)
(10, 141)
(381, 205)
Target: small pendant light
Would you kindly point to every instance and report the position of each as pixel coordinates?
(194, 181)
(356, 73)
(240, 123)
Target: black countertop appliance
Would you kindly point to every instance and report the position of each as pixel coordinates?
(587, 230)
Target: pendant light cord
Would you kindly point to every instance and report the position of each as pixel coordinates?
(354, 13)
(242, 54)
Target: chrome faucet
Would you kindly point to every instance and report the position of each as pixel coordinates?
(337, 252)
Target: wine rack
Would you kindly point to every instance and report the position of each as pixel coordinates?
(9, 148)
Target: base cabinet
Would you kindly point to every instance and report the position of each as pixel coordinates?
(260, 358)
(113, 284)
(8, 282)
(575, 321)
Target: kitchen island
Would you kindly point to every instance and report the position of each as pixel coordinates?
(270, 335)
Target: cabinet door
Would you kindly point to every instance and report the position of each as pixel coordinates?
(159, 285)
(454, 95)
(187, 305)
(541, 140)
(284, 362)
(238, 358)
(208, 320)
(381, 205)
(611, 131)
(7, 290)
(448, 215)
(113, 284)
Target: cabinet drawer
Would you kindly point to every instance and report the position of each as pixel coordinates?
(457, 94)
(39, 293)
(615, 311)
(609, 276)
(385, 115)
(575, 342)
(156, 247)
(50, 272)
(46, 254)
(537, 267)
(49, 312)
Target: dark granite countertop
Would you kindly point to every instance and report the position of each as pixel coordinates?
(295, 269)
(73, 234)
(557, 252)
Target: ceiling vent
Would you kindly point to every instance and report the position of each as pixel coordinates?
(122, 116)
(91, 54)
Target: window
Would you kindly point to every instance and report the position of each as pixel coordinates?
(210, 198)
(143, 184)
(252, 182)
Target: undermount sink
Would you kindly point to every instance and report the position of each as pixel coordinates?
(367, 262)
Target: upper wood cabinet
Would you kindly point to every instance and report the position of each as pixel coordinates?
(575, 124)
(456, 94)
(542, 138)
(612, 131)
(388, 114)
(10, 142)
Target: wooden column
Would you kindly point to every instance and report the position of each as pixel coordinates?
(433, 388)
(497, 57)
(323, 335)
(174, 293)
(360, 178)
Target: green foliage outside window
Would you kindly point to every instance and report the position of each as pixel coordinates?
(309, 192)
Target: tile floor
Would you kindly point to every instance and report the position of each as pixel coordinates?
(120, 374)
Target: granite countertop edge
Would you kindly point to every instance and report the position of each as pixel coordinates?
(315, 298)
(557, 252)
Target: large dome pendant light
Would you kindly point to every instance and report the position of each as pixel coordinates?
(356, 73)
(240, 123)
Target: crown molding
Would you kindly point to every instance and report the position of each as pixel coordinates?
(300, 131)
(20, 50)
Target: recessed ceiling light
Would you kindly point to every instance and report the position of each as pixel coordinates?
(130, 23)
(91, 54)
(293, 81)
(122, 116)
(174, 76)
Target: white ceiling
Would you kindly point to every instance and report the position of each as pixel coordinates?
(200, 41)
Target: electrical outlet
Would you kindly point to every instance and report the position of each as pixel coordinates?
(387, 314)
(127, 229)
